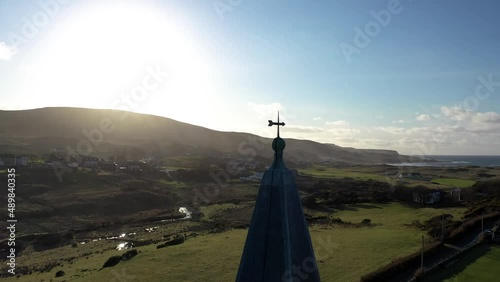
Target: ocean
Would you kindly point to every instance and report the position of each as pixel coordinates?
(451, 161)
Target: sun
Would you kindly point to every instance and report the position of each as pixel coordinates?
(101, 51)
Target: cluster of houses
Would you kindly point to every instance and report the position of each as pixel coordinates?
(9, 160)
(427, 196)
(88, 162)
(97, 163)
(433, 196)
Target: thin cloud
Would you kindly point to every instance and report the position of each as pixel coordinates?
(464, 116)
(399, 121)
(265, 110)
(344, 131)
(391, 129)
(338, 123)
(303, 129)
(455, 113)
(488, 117)
(6, 51)
(423, 117)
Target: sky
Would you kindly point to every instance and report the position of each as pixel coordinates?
(421, 77)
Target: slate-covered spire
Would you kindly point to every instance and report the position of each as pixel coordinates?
(278, 245)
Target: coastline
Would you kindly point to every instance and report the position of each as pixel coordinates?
(453, 161)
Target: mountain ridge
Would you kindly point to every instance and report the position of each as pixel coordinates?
(38, 131)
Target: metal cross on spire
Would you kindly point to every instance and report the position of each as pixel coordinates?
(271, 123)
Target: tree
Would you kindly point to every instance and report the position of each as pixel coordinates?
(366, 221)
(309, 201)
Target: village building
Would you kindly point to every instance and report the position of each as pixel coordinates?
(13, 160)
(427, 196)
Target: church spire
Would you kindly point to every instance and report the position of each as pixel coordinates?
(278, 245)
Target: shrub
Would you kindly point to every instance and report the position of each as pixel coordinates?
(419, 273)
(60, 273)
(337, 220)
(309, 201)
(483, 238)
(112, 261)
(176, 241)
(435, 225)
(366, 221)
(129, 254)
(490, 186)
(458, 233)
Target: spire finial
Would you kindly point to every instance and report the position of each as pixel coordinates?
(271, 123)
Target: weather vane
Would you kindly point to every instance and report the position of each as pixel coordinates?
(271, 123)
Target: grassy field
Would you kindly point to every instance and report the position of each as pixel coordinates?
(331, 172)
(184, 162)
(343, 253)
(454, 182)
(480, 264)
(392, 214)
(213, 210)
(453, 177)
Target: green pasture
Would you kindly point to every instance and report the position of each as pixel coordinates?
(343, 253)
(482, 263)
(331, 172)
(454, 182)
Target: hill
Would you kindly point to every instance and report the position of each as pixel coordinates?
(103, 133)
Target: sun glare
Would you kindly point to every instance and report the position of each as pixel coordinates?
(101, 52)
